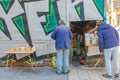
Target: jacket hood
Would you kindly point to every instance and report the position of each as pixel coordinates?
(104, 26)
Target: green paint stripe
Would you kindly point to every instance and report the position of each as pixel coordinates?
(1, 26)
(6, 4)
(51, 18)
(101, 9)
(19, 21)
(78, 10)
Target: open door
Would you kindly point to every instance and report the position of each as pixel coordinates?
(79, 48)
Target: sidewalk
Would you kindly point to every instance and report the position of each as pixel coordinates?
(48, 73)
(27, 73)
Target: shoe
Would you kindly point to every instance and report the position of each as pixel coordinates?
(58, 73)
(66, 72)
(106, 75)
(116, 75)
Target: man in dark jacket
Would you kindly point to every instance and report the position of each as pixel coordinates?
(62, 36)
(108, 40)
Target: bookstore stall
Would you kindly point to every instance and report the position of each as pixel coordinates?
(85, 40)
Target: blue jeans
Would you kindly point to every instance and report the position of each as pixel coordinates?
(62, 60)
(114, 54)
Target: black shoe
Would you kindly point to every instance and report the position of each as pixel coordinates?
(58, 73)
(116, 75)
(106, 75)
(66, 72)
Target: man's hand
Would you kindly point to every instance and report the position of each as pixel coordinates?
(101, 53)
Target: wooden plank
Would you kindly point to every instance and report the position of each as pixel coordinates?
(91, 45)
(93, 74)
(83, 75)
(73, 75)
(24, 64)
(19, 50)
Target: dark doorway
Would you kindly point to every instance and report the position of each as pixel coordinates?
(79, 50)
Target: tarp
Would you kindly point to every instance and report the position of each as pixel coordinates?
(82, 10)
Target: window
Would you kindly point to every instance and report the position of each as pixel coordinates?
(118, 20)
(118, 2)
(109, 20)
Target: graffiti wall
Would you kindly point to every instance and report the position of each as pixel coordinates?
(29, 22)
(84, 10)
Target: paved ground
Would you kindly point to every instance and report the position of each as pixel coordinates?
(26, 73)
(48, 73)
